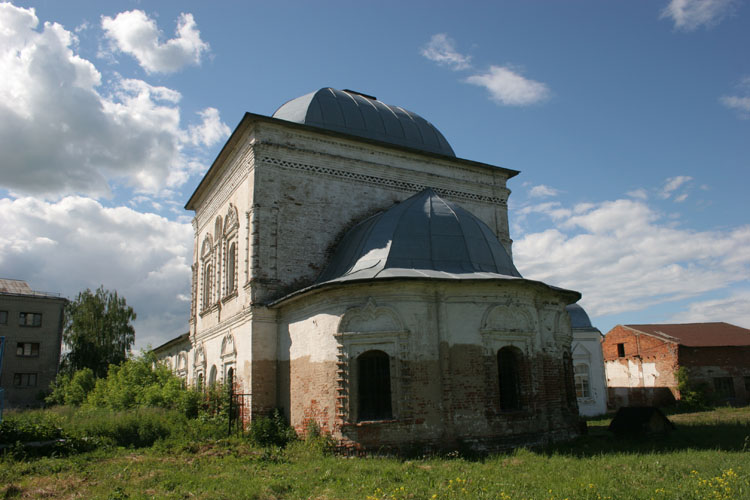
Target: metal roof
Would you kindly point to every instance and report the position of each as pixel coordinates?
(424, 236)
(358, 114)
(698, 334)
(578, 317)
(14, 286)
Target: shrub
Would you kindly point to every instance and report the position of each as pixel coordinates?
(71, 389)
(693, 396)
(272, 430)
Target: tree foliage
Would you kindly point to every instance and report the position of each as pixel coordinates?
(98, 331)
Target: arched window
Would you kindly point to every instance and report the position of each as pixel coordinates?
(207, 275)
(374, 386)
(231, 268)
(230, 378)
(583, 390)
(199, 382)
(509, 372)
(212, 376)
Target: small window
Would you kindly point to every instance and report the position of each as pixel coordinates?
(3, 317)
(374, 388)
(24, 379)
(508, 364)
(621, 350)
(724, 388)
(27, 349)
(583, 390)
(29, 319)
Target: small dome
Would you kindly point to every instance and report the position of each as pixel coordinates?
(357, 114)
(578, 317)
(421, 237)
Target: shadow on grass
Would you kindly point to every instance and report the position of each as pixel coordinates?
(699, 436)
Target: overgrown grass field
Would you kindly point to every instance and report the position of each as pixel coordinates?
(706, 457)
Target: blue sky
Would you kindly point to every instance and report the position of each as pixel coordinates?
(629, 122)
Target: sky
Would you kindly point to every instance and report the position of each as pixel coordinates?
(629, 122)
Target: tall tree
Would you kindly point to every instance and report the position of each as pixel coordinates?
(98, 331)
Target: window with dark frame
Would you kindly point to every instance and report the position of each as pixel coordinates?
(724, 387)
(27, 349)
(374, 386)
(24, 379)
(29, 319)
(621, 350)
(508, 367)
(231, 268)
(3, 317)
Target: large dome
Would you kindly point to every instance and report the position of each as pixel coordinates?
(421, 237)
(364, 116)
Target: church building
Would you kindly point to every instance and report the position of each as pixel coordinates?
(352, 271)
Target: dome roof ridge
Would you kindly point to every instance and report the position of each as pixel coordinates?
(362, 115)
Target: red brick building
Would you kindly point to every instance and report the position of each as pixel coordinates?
(641, 362)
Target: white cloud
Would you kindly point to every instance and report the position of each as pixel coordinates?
(62, 130)
(509, 88)
(672, 184)
(136, 34)
(689, 15)
(441, 49)
(733, 309)
(624, 257)
(76, 243)
(542, 191)
(640, 193)
(211, 130)
(741, 101)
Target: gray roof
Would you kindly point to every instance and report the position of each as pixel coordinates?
(424, 236)
(357, 114)
(578, 317)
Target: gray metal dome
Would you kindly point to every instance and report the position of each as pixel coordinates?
(421, 237)
(357, 114)
(578, 317)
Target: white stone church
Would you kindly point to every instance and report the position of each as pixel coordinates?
(349, 269)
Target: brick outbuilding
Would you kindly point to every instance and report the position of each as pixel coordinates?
(641, 362)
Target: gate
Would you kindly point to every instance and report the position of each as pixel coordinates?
(239, 411)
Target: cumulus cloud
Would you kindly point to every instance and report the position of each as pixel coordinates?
(136, 34)
(623, 256)
(64, 130)
(734, 309)
(76, 243)
(688, 15)
(542, 191)
(508, 88)
(442, 50)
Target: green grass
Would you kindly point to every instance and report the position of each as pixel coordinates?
(707, 457)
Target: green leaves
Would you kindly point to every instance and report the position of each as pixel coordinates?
(98, 331)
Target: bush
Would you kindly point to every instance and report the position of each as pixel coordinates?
(693, 396)
(71, 390)
(272, 430)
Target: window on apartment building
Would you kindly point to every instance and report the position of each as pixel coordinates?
(583, 390)
(3, 317)
(27, 349)
(509, 372)
(374, 386)
(29, 319)
(621, 350)
(724, 388)
(24, 379)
